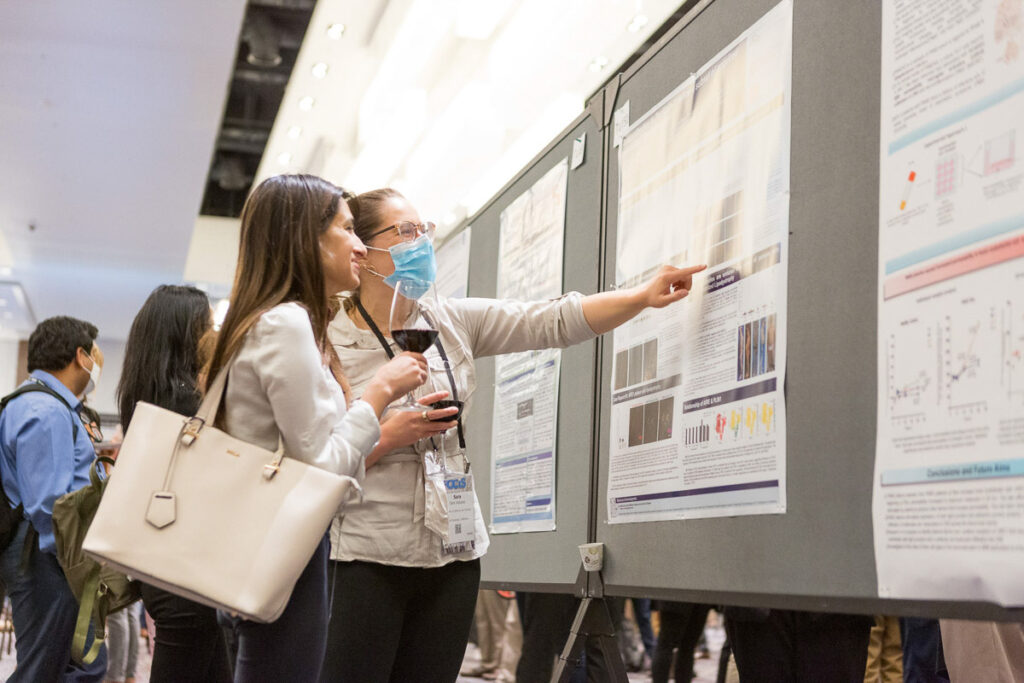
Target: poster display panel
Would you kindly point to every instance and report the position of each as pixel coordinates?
(698, 420)
(524, 426)
(453, 266)
(948, 501)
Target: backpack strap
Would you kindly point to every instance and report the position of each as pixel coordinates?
(35, 386)
(85, 614)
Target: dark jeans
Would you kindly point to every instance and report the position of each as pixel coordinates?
(642, 611)
(399, 624)
(189, 641)
(785, 646)
(922, 651)
(682, 624)
(291, 648)
(44, 613)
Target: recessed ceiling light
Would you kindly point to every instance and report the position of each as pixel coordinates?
(306, 103)
(598, 64)
(294, 132)
(335, 31)
(284, 158)
(320, 69)
(6, 272)
(637, 23)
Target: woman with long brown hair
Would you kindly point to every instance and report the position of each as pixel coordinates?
(285, 384)
(404, 597)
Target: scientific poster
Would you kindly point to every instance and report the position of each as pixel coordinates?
(949, 471)
(698, 418)
(526, 384)
(453, 266)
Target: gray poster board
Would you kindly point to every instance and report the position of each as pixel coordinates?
(819, 555)
(545, 560)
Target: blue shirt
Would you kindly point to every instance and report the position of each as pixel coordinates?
(40, 460)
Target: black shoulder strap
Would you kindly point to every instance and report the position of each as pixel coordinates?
(39, 386)
(440, 350)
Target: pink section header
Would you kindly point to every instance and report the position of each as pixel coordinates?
(965, 262)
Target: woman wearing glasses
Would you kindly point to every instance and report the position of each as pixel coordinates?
(403, 599)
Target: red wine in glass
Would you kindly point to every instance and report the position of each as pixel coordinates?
(416, 340)
(447, 403)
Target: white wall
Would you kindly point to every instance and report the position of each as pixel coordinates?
(8, 365)
(102, 399)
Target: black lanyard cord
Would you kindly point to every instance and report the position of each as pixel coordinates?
(440, 350)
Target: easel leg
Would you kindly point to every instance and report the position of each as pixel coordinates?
(593, 620)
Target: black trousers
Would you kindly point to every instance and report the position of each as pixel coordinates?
(399, 624)
(785, 646)
(547, 620)
(682, 624)
(189, 642)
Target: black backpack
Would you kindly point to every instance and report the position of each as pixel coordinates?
(11, 517)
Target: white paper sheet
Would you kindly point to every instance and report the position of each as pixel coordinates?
(698, 415)
(948, 501)
(453, 266)
(525, 422)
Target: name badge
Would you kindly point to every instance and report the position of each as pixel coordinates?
(458, 489)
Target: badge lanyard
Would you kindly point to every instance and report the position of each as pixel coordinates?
(457, 488)
(444, 358)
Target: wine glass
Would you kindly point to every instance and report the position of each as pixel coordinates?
(410, 330)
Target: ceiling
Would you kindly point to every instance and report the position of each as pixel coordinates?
(447, 99)
(108, 119)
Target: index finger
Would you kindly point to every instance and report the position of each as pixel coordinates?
(432, 398)
(690, 270)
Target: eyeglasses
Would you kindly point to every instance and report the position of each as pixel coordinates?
(408, 230)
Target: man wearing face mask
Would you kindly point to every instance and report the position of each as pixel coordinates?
(45, 452)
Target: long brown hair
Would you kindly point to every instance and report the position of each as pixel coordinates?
(279, 259)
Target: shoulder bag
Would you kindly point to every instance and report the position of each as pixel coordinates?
(196, 512)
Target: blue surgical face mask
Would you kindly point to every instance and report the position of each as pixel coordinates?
(413, 261)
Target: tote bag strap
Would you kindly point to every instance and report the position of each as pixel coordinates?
(207, 414)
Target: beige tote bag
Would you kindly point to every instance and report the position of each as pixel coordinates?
(197, 512)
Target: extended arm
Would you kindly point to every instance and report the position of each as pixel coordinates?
(607, 310)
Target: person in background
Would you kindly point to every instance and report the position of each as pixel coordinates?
(123, 645)
(642, 615)
(790, 645)
(189, 643)
(987, 651)
(490, 615)
(923, 660)
(46, 452)
(682, 624)
(885, 654)
(285, 386)
(404, 601)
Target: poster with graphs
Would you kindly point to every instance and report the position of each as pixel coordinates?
(948, 502)
(698, 423)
